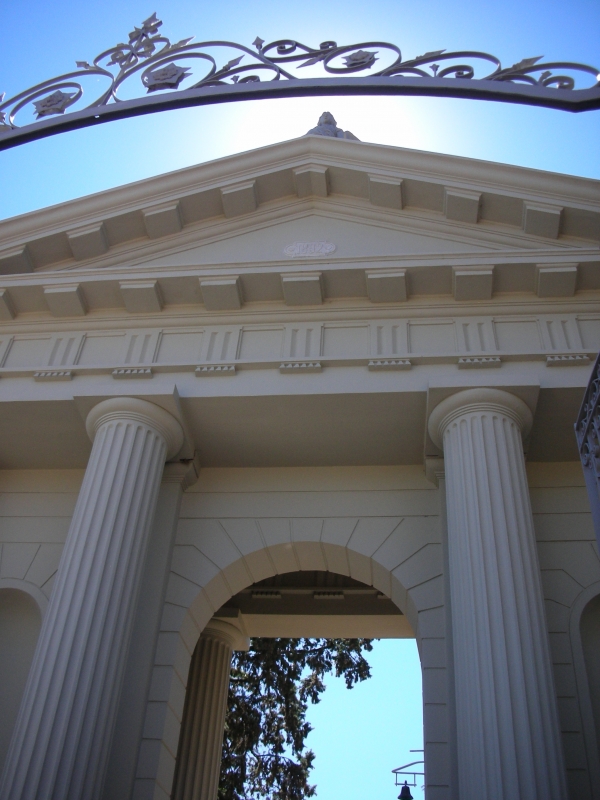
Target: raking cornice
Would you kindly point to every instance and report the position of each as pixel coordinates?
(42, 238)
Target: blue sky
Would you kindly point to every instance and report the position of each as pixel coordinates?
(360, 735)
(42, 39)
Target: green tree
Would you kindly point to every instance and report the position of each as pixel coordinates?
(264, 753)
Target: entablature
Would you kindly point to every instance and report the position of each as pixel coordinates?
(303, 347)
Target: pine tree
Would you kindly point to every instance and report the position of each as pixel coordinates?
(264, 753)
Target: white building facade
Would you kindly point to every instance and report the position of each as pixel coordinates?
(322, 357)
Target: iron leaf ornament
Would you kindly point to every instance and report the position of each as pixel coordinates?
(186, 74)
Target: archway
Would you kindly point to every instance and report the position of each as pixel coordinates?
(312, 609)
(401, 558)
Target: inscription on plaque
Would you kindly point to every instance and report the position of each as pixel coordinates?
(309, 249)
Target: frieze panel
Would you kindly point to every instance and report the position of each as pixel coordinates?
(5, 343)
(589, 329)
(260, 343)
(302, 341)
(476, 336)
(141, 347)
(389, 338)
(26, 351)
(65, 349)
(517, 335)
(177, 347)
(429, 337)
(561, 334)
(101, 349)
(559, 340)
(345, 341)
(221, 343)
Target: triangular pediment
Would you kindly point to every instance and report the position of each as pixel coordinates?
(331, 231)
(345, 239)
(368, 201)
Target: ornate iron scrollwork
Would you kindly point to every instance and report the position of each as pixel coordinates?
(587, 431)
(272, 70)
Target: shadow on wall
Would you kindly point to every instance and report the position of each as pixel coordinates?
(590, 641)
(20, 622)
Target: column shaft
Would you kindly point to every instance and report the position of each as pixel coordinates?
(62, 736)
(507, 724)
(201, 739)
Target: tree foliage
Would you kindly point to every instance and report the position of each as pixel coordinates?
(264, 753)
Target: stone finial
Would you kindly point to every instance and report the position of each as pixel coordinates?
(328, 127)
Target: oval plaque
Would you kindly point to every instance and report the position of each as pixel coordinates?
(309, 249)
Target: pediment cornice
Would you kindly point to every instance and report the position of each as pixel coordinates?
(496, 237)
(462, 197)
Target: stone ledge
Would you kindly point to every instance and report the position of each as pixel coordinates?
(575, 360)
(379, 365)
(215, 370)
(50, 375)
(479, 362)
(298, 367)
(121, 374)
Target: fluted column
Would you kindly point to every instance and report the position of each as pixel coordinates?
(507, 723)
(63, 732)
(201, 739)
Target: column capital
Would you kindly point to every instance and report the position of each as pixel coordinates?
(229, 631)
(478, 400)
(132, 408)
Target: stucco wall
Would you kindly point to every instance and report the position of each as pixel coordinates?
(36, 507)
(35, 511)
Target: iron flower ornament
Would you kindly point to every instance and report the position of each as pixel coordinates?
(168, 77)
(183, 74)
(55, 103)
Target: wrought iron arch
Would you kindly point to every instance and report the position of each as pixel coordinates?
(272, 70)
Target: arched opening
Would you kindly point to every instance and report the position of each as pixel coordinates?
(20, 621)
(215, 560)
(314, 604)
(590, 641)
(318, 604)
